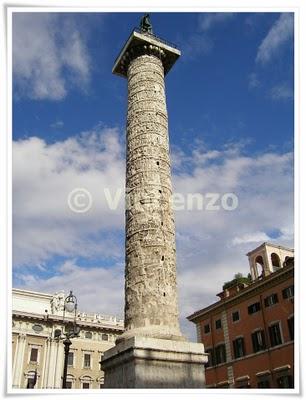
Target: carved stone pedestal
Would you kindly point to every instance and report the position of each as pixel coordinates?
(144, 362)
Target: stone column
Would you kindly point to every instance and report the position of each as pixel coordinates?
(150, 278)
(19, 359)
(51, 364)
(59, 365)
(15, 360)
(230, 370)
(45, 364)
(152, 353)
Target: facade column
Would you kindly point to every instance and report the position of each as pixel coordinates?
(198, 328)
(45, 366)
(15, 359)
(253, 268)
(51, 365)
(230, 371)
(19, 359)
(59, 365)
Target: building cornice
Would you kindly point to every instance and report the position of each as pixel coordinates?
(55, 318)
(276, 246)
(30, 293)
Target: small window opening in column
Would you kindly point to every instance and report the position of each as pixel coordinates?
(163, 257)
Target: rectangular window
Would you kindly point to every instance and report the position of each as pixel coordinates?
(220, 354)
(244, 385)
(275, 335)
(68, 385)
(270, 300)
(253, 308)
(285, 381)
(239, 350)
(86, 360)
(265, 383)
(85, 385)
(235, 316)
(288, 292)
(206, 328)
(88, 335)
(31, 383)
(104, 336)
(291, 328)
(70, 359)
(218, 324)
(223, 385)
(34, 355)
(258, 341)
(211, 360)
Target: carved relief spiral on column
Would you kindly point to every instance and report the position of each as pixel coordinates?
(151, 293)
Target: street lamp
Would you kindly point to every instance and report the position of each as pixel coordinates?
(72, 331)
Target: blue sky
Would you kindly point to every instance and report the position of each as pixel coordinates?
(231, 126)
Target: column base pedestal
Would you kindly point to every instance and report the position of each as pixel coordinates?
(144, 362)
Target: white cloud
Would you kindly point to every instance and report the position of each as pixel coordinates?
(98, 289)
(254, 82)
(278, 35)
(49, 56)
(200, 43)
(196, 45)
(44, 175)
(211, 245)
(282, 91)
(251, 238)
(209, 20)
(57, 124)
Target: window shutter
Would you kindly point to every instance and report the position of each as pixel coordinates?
(243, 347)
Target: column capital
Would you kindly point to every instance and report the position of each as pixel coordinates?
(22, 335)
(143, 43)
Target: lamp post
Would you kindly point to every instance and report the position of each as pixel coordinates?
(67, 342)
(70, 305)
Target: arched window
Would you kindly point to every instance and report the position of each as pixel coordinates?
(101, 382)
(259, 265)
(31, 379)
(86, 382)
(275, 261)
(70, 381)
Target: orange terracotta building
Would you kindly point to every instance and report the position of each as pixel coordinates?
(249, 332)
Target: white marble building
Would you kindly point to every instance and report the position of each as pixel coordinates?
(35, 317)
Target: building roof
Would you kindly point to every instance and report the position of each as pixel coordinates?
(31, 293)
(277, 246)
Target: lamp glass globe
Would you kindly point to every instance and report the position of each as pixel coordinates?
(69, 306)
